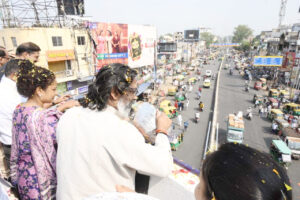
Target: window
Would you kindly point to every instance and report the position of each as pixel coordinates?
(14, 41)
(57, 41)
(81, 40)
(4, 43)
(68, 65)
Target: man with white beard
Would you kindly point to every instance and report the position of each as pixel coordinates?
(98, 146)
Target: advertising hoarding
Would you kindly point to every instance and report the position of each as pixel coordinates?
(112, 43)
(271, 61)
(141, 44)
(191, 34)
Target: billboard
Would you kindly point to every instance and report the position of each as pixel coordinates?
(70, 7)
(141, 44)
(167, 47)
(271, 61)
(289, 60)
(191, 34)
(111, 41)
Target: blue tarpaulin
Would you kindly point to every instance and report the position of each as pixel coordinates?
(143, 87)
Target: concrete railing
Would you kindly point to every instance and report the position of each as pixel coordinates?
(212, 143)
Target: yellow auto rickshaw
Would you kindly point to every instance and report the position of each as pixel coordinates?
(273, 93)
(166, 107)
(263, 81)
(284, 93)
(292, 108)
(275, 114)
(172, 90)
(193, 80)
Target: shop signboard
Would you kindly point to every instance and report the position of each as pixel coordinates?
(141, 44)
(60, 55)
(268, 61)
(112, 43)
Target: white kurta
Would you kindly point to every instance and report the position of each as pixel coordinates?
(98, 150)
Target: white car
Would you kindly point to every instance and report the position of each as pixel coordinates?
(208, 73)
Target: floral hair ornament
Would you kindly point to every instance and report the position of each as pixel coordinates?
(287, 187)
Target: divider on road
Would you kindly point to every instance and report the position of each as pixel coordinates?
(206, 141)
(212, 143)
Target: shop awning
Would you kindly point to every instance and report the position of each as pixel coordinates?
(143, 87)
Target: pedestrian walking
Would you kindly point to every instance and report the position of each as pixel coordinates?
(187, 103)
(180, 106)
(179, 120)
(265, 112)
(190, 88)
(256, 103)
(186, 124)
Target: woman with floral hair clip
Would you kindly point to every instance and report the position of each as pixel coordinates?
(33, 152)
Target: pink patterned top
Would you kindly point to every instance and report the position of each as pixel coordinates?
(33, 152)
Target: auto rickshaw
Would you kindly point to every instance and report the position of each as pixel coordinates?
(273, 93)
(258, 97)
(281, 125)
(284, 93)
(166, 107)
(172, 90)
(257, 85)
(292, 108)
(263, 81)
(275, 114)
(193, 80)
(281, 153)
(179, 96)
(180, 77)
(274, 102)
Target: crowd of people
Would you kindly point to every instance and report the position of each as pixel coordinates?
(57, 148)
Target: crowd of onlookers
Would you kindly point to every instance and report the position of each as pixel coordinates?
(58, 148)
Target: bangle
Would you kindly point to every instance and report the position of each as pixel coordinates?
(160, 131)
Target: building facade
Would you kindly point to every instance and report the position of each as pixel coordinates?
(65, 51)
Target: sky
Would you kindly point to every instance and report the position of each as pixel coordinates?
(178, 15)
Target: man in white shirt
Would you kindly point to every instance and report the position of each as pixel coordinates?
(99, 148)
(10, 99)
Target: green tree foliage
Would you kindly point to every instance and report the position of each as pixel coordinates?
(241, 33)
(208, 38)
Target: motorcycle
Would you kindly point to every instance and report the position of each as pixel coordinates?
(197, 117)
(249, 115)
(247, 88)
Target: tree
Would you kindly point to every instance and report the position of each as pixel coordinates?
(241, 33)
(208, 38)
